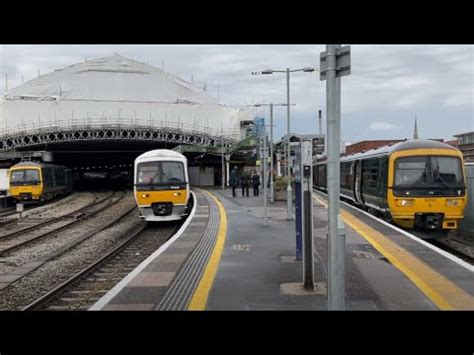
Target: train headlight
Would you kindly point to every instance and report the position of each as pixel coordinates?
(177, 194)
(452, 202)
(405, 202)
(145, 195)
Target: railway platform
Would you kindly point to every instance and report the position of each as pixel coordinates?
(225, 258)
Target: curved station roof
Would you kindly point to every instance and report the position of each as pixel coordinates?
(114, 78)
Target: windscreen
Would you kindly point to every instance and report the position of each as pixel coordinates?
(431, 172)
(161, 173)
(24, 177)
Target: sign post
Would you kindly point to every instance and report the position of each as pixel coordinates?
(306, 177)
(264, 180)
(334, 63)
(20, 208)
(298, 206)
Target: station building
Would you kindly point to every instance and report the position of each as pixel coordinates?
(466, 145)
(101, 114)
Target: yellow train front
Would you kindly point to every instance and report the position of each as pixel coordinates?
(161, 185)
(415, 184)
(32, 182)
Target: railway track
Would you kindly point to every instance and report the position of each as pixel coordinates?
(11, 211)
(441, 242)
(20, 238)
(89, 284)
(23, 271)
(31, 223)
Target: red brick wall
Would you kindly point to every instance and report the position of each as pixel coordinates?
(366, 145)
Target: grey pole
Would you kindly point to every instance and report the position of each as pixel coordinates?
(272, 192)
(289, 195)
(320, 123)
(265, 176)
(223, 166)
(336, 237)
(306, 177)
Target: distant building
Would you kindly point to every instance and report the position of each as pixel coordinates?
(318, 142)
(466, 145)
(454, 143)
(280, 149)
(367, 145)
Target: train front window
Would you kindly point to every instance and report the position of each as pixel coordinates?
(411, 172)
(161, 173)
(24, 177)
(446, 171)
(435, 172)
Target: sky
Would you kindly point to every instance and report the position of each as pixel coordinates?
(389, 84)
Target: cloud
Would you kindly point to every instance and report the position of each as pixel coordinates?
(382, 126)
(397, 82)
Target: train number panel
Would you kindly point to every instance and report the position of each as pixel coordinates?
(415, 184)
(161, 185)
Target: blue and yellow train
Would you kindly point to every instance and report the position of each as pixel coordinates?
(417, 184)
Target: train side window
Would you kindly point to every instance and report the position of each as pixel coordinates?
(370, 174)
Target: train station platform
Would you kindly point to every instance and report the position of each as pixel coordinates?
(225, 258)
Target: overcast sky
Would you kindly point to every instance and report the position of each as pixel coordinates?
(388, 86)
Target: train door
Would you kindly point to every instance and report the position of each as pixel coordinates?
(358, 181)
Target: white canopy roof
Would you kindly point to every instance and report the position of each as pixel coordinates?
(113, 78)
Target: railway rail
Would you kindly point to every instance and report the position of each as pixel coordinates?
(19, 238)
(94, 280)
(11, 211)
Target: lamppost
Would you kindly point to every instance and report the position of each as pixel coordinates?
(289, 195)
(272, 191)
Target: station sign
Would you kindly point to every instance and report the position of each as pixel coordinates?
(343, 62)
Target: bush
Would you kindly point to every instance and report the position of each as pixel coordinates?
(281, 182)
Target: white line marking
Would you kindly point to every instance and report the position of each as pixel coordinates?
(415, 238)
(121, 285)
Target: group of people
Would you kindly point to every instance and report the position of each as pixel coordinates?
(244, 181)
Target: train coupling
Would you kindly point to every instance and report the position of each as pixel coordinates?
(429, 220)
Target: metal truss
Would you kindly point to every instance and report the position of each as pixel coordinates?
(55, 134)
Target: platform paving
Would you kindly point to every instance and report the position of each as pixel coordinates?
(258, 270)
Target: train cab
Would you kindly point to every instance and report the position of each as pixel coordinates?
(161, 185)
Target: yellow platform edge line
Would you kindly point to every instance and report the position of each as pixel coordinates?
(428, 283)
(201, 294)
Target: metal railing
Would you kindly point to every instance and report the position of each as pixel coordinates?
(108, 122)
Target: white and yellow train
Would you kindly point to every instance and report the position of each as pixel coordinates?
(161, 185)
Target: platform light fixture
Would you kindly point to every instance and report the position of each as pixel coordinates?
(289, 205)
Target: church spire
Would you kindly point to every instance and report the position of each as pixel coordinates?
(415, 133)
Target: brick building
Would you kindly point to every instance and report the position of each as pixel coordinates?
(466, 145)
(366, 145)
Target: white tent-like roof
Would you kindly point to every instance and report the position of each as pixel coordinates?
(113, 78)
(116, 90)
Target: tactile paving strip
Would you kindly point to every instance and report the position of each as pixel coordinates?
(181, 290)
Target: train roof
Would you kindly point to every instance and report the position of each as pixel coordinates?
(396, 147)
(400, 146)
(35, 164)
(161, 153)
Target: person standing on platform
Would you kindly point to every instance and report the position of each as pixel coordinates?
(234, 180)
(245, 183)
(255, 183)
